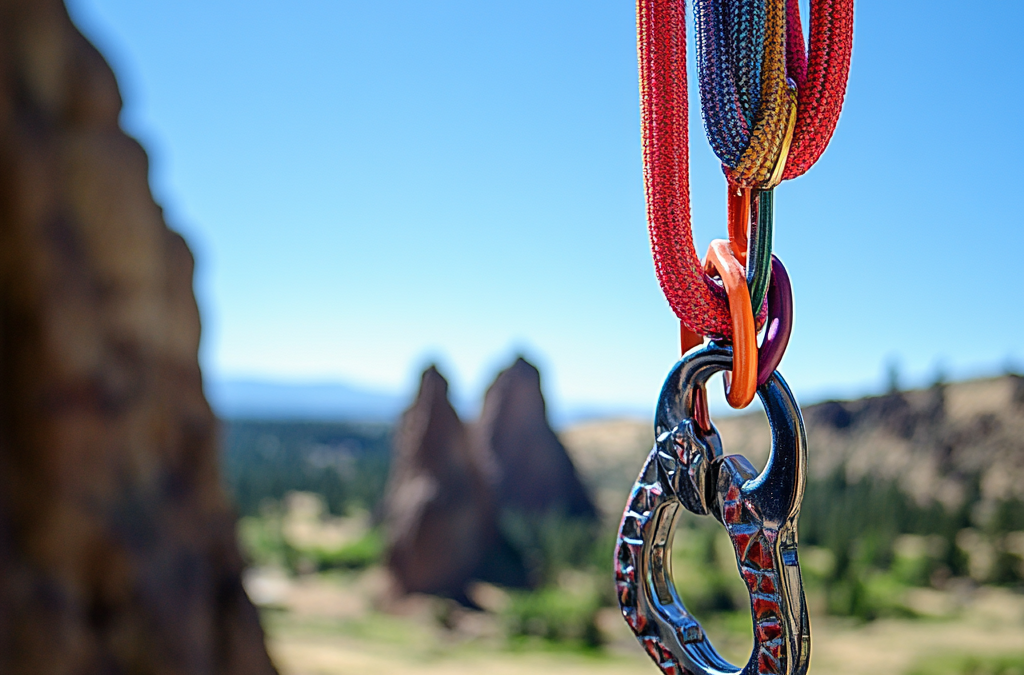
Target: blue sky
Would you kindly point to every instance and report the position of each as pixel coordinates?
(369, 187)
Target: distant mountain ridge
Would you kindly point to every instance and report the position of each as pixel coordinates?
(335, 401)
(339, 401)
(933, 441)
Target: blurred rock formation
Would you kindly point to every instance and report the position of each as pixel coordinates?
(451, 488)
(529, 467)
(954, 444)
(941, 444)
(117, 544)
(439, 515)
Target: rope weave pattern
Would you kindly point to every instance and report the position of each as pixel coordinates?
(755, 166)
(750, 54)
(661, 32)
(730, 48)
(822, 82)
(745, 99)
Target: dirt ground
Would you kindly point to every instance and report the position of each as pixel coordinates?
(322, 625)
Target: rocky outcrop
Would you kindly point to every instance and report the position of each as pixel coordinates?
(939, 444)
(944, 465)
(528, 465)
(117, 544)
(450, 489)
(950, 443)
(439, 516)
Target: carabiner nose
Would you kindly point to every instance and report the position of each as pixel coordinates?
(779, 489)
(688, 450)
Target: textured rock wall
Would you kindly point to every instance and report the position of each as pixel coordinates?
(117, 548)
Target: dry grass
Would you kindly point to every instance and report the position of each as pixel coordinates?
(340, 624)
(334, 625)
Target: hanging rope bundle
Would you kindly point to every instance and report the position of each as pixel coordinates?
(746, 100)
(769, 106)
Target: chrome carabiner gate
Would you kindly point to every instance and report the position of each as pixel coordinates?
(759, 511)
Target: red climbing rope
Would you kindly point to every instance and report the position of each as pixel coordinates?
(820, 76)
(697, 301)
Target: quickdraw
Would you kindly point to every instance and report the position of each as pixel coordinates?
(769, 107)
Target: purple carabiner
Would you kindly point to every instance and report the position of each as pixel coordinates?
(779, 324)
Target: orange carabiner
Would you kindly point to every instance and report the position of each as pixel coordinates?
(688, 339)
(741, 387)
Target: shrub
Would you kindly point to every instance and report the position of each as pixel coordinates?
(564, 613)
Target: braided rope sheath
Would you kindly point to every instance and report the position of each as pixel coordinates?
(746, 35)
(729, 98)
(758, 160)
(746, 51)
(823, 86)
(741, 64)
(661, 40)
(727, 39)
(796, 54)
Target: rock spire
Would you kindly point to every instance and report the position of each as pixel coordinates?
(529, 467)
(438, 512)
(450, 486)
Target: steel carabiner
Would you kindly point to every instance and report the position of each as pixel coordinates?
(759, 511)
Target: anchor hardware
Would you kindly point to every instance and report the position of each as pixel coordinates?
(770, 105)
(687, 469)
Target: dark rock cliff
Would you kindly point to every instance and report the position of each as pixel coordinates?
(117, 544)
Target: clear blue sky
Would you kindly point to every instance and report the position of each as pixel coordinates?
(368, 186)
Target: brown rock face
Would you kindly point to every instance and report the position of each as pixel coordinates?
(117, 547)
(449, 488)
(529, 466)
(438, 513)
(933, 442)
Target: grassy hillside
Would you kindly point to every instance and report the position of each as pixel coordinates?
(920, 489)
(912, 540)
(911, 489)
